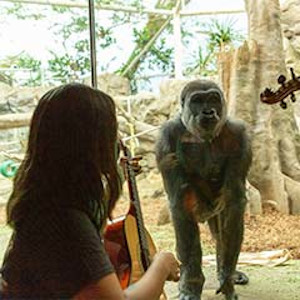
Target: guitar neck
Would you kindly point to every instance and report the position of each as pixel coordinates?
(137, 211)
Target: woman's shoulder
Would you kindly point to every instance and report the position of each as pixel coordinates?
(57, 224)
(71, 220)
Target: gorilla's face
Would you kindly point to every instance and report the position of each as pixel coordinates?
(202, 112)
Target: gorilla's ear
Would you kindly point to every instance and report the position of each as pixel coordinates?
(190, 87)
(185, 90)
(183, 95)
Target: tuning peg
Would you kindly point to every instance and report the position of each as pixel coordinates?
(293, 97)
(283, 104)
(293, 74)
(281, 79)
(268, 92)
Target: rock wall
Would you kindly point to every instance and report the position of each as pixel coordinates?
(112, 84)
(275, 136)
(290, 22)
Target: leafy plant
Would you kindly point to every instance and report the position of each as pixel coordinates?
(71, 61)
(220, 36)
(22, 13)
(25, 63)
(66, 67)
(202, 63)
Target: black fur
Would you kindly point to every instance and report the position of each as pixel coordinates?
(204, 159)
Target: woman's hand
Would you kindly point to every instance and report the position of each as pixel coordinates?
(133, 163)
(169, 263)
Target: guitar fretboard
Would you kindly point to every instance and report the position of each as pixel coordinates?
(135, 201)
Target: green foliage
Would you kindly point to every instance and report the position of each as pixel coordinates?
(60, 9)
(202, 62)
(221, 36)
(77, 24)
(66, 67)
(159, 56)
(166, 4)
(22, 13)
(105, 2)
(71, 61)
(106, 36)
(27, 61)
(21, 61)
(74, 63)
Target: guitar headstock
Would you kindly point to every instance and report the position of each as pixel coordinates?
(286, 89)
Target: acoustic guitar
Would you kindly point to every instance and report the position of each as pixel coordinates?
(286, 89)
(128, 243)
(126, 240)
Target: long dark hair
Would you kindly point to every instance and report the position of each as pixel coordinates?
(71, 156)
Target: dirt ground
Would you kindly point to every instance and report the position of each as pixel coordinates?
(270, 231)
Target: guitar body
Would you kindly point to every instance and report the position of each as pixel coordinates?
(121, 241)
(116, 246)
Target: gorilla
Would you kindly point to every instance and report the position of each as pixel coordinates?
(204, 158)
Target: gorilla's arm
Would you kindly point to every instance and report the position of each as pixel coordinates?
(230, 235)
(239, 162)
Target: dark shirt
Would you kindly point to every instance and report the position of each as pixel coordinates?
(54, 255)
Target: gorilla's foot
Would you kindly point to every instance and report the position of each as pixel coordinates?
(232, 296)
(227, 288)
(188, 296)
(190, 287)
(240, 278)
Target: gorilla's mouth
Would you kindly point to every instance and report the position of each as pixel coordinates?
(208, 122)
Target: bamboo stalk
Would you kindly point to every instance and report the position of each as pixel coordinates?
(166, 12)
(73, 4)
(14, 120)
(147, 47)
(189, 13)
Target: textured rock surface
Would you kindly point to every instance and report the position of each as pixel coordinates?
(290, 24)
(255, 66)
(112, 84)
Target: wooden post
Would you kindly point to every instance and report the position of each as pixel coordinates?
(178, 44)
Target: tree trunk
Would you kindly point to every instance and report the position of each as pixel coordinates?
(275, 170)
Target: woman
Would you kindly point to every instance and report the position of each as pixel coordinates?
(65, 189)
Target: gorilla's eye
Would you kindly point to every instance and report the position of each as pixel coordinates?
(196, 103)
(196, 98)
(215, 101)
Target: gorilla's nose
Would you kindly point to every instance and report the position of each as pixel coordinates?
(208, 113)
